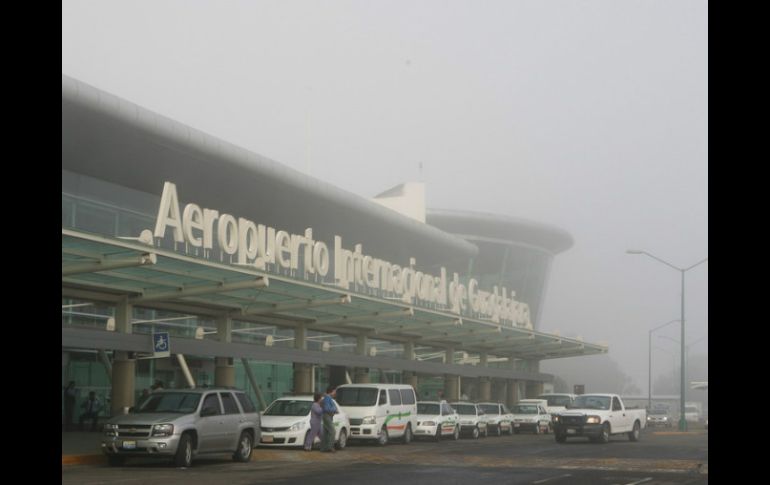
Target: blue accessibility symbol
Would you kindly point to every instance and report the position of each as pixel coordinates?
(160, 342)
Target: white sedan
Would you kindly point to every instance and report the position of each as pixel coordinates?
(286, 422)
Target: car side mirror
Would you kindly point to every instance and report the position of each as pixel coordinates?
(209, 411)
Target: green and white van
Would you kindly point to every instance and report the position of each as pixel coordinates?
(380, 412)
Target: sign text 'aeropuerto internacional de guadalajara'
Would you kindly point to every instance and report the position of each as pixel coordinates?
(258, 245)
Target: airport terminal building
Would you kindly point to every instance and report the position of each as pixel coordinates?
(193, 261)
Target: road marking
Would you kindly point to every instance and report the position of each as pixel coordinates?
(640, 481)
(552, 478)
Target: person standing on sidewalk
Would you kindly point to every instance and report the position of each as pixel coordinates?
(316, 418)
(92, 407)
(329, 410)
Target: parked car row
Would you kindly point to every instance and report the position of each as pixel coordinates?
(183, 424)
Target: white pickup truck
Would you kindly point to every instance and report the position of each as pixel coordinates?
(597, 416)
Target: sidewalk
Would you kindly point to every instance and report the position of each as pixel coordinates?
(81, 448)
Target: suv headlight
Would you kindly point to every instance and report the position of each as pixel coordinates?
(111, 429)
(297, 426)
(555, 418)
(163, 430)
(369, 420)
(593, 420)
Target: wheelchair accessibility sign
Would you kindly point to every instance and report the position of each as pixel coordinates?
(161, 345)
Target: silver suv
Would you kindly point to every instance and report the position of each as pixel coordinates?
(180, 424)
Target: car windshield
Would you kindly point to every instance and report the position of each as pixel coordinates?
(357, 396)
(659, 412)
(690, 409)
(524, 409)
(289, 407)
(427, 408)
(490, 408)
(592, 402)
(170, 402)
(465, 409)
(557, 400)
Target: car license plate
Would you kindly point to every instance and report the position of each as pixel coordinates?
(267, 439)
(129, 445)
(571, 431)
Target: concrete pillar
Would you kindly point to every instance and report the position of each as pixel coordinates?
(512, 396)
(123, 314)
(224, 329)
(303, 378)
(500, 391)
(300, 336)
(409, 377)
(124, 363)
(361, 375)
(451, 387)
(224, 373)
(449, 358)
(123, 382)
(534, 389)
(485, 389)
(337, 375)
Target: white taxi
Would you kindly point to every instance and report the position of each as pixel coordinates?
(530, 417)
(473, 421)
(499, 418)
(436, 419)
(286, 422)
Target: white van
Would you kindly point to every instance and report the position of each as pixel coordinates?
(379, 412)
(558, 402)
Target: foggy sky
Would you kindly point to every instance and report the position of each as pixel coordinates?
(588, 115)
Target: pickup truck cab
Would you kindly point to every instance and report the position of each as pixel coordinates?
(180, 424)
(598, 416)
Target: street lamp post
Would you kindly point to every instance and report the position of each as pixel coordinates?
(686, 347)
(682, 421)
(649, 362)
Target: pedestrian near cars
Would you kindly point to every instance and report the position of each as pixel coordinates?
(92, 406)
(316, 420)
(329, 410)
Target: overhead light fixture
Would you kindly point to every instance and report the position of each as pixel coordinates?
(271, 340)
(259, 282)
(200, 332)
(106, 264)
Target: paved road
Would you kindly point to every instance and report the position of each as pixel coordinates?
(657, 459)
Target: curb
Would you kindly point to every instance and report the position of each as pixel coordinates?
(83, 460)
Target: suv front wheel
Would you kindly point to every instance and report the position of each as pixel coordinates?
(183, 456)
(243, 453)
